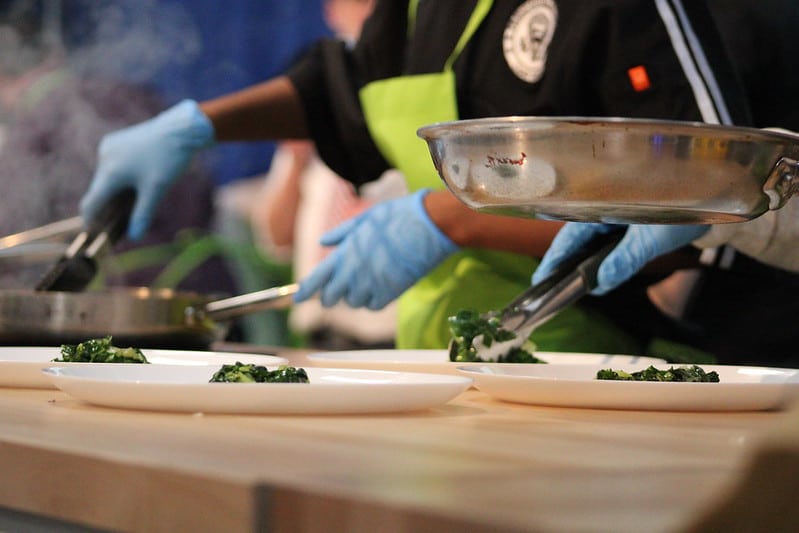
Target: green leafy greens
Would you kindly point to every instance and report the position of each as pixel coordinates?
(99, 351)
(468, 324)
(691, 373)
(250, 373)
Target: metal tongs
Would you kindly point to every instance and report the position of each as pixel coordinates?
(40, 244)
(79, 264)
(574, 278)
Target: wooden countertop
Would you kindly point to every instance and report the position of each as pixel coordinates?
(473, 464)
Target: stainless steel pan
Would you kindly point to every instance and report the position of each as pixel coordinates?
(133, 316)
(615, 170)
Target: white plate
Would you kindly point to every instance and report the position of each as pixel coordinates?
(437, 361)
(21, 366)
(186, 389)
(741, 388)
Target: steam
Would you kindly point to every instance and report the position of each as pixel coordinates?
(49, 135)
(134, 41)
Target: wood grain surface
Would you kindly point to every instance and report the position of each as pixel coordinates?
(474, 464)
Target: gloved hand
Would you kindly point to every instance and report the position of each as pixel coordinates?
(147, 157)
(380, 253)
(641, 244)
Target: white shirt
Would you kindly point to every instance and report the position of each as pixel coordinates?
(772, 238)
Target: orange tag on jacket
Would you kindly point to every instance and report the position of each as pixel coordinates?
(639, 78)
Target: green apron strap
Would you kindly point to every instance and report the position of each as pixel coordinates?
(413, 7)
(480, 11)
(478, 14)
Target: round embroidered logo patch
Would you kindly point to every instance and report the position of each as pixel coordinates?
(527, 37)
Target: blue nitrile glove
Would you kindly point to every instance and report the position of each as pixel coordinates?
(147, 157)
(380, 253)
(641, 244)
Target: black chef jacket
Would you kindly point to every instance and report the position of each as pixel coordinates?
(750, 45)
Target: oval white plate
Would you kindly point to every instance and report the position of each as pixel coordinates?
(437, 361)
(186, 389)
(21, 366)
(741, 388)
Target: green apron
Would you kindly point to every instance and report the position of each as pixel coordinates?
(469, 279)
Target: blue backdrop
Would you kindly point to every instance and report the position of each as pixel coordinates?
(243, 42)
(197, 49)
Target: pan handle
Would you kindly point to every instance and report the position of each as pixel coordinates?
(273, 298)
(782, 182)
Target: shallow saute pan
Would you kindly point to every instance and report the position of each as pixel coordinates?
(615, 170)
(139, 317)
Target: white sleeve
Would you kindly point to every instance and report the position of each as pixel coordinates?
(772, 238)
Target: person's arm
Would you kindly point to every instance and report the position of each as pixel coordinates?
(469, 228)
(772, 238)
(389, 247)
(149, 156)
(270, 110)
(286, 200)
(274, 212)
